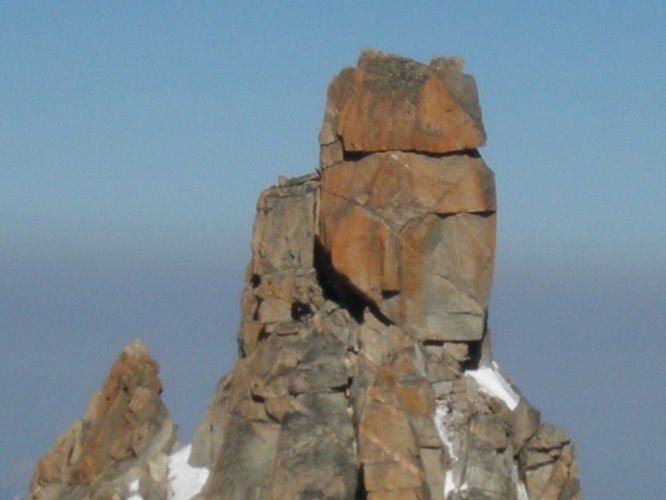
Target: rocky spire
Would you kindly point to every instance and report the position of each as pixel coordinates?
(124, 435)
(365, 368)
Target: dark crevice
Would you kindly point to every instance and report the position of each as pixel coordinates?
(241, 349)
(255, 315)
(355, 155)
(379, 315)
(361, 493)
(432, 342)
(263, 335)
(471, 153)
(387, 294)
(484, 213)
(344, 387)
(474, 352)
(335, 287)
(352, 156)
(255, 280)
(257, 399)
(300, 311)
(480, 213)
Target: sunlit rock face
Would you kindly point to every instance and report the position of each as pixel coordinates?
(389, 103)
(407, 205)
(364, 360)
(125, 434)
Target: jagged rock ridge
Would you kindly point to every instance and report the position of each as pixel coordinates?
(365, 368)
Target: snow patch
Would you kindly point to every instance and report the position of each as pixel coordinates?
(492, 382)
(443, 432)
(185, 481)
(449, 481)
(133, 488)
(521, 490)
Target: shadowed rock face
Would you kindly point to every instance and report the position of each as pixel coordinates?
(365, 369)
(125, 434)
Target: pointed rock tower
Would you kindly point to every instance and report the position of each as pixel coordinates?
(124, 436)
(365, 368)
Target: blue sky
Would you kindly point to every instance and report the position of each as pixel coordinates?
(136, 137)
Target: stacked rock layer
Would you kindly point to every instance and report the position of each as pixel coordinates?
(365, 368)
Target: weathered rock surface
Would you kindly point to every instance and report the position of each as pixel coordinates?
(392, 103)
(415, 235)
(125, 434)
(365, 368)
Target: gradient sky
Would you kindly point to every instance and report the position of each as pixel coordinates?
(135, 138)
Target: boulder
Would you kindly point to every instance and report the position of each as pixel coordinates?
(389, 103)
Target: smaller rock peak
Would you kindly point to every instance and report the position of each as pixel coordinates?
(125, 426)
(134, 368)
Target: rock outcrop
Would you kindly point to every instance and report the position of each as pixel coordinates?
(365, 368)
(125, 435)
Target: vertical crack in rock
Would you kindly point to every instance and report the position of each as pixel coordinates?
(365, 368)
(334, 287)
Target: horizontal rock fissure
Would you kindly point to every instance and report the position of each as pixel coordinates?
(480, 213)
(372, 213)
(355, 156)
(422, 212)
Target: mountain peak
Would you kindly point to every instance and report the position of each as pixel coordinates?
(365, 366)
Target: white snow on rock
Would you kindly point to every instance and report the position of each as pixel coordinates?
(521, 489)
(440, 413)
(134, 491)
(185, 481)
(449, 484)
(492, 382)
(449, 481)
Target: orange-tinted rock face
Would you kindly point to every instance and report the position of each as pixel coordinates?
(127, 409)
(414, 234)
(391, 103)
(125, 422)
(406, 204)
